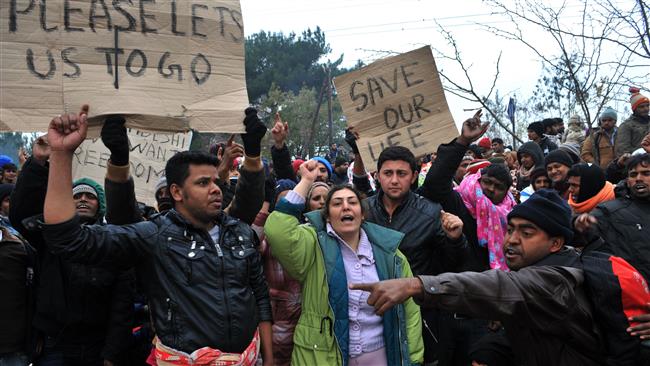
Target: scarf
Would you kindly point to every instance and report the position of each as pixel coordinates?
(605, 194)
(525, 173)
(206, 356)
(491, 219)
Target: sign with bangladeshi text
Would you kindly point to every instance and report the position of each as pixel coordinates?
(398, 100)
(166, 64)
(149, 152)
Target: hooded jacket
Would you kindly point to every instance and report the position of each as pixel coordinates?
(533, 149)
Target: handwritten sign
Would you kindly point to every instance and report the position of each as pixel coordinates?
(149, 153)
(166, 64)
(397, 101)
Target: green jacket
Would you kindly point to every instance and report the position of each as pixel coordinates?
(313, 257)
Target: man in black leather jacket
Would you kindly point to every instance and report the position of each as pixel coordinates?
(200, 268)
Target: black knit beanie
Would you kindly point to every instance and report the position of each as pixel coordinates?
(537, 127)
(558, 156)
(546, 209)
(592, 180)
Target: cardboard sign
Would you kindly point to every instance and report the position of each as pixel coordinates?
(397, 101)
(148, 154)
(167, 64)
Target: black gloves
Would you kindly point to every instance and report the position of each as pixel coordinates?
(255, 132)
(351, 140)
(115, 139)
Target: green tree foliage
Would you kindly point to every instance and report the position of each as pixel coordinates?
(288, 61)
(307, 138)
(10, 142)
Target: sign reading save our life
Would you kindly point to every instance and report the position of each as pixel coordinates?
(398, 100)
(149, 152)
(166, 64)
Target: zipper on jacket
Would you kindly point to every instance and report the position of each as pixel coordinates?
(222, 233)
(171, 320)
(399, 323)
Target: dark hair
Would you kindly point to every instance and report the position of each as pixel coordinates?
(575, 171)
(326, 209)
(478, 152)
(397, 153)
(498, 140)
(177, 168)
(642, 159)
(498, 172)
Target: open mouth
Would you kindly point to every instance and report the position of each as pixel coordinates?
(509, 253)
(82, 206)
(640, 187)
(347, 218)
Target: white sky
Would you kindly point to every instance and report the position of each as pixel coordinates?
(354, 27)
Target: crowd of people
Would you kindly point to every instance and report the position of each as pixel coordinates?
(478, 254)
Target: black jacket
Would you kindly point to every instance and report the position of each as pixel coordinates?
(425, 245)
(438, 188)
(200, 293)
(624, 225)
(547, 145)
(75, 303)
(282, 163)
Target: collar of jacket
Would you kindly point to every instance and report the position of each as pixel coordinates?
(410, 196)
(222, 219)
(384, 242)
(385, 239)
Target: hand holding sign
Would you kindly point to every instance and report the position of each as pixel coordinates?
(115, 139)
(67, 131)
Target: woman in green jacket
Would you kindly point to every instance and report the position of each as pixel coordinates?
(335, 247)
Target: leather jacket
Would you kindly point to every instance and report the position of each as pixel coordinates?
(425, 244)
(201, 293)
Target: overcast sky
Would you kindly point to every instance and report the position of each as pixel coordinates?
(360, 28)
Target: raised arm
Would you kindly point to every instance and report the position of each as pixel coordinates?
(294, 245)
(279, 152)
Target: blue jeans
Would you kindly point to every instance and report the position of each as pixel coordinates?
(13, 359)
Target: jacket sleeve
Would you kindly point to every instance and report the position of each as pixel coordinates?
(120, 246)
(260, 288)
(294, 245)
(282, 163)
(537, 296)
(121, 318)
(586, 153)
(413, 320)
(249, 196)
(623, 142)
(437, 185)
(121, 204)
(363, 184)
(28, 199)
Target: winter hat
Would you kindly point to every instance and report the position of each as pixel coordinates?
(476, 165)
(162, 183)
(5, 190)
(485, 143)
(575, 120)
(609, 112)
(536, 173)
(558, 156)
(636, 99)
(537, 127)
(573, 150)
(314, 186)
(592, 180)
(284, 185)
(340, 160)
(296, 165)
(326, 163)
(4, 159)
(546, 209)
(548, 122)
(87, 185)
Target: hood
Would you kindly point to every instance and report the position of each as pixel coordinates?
(101, 197)
(534, 150)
